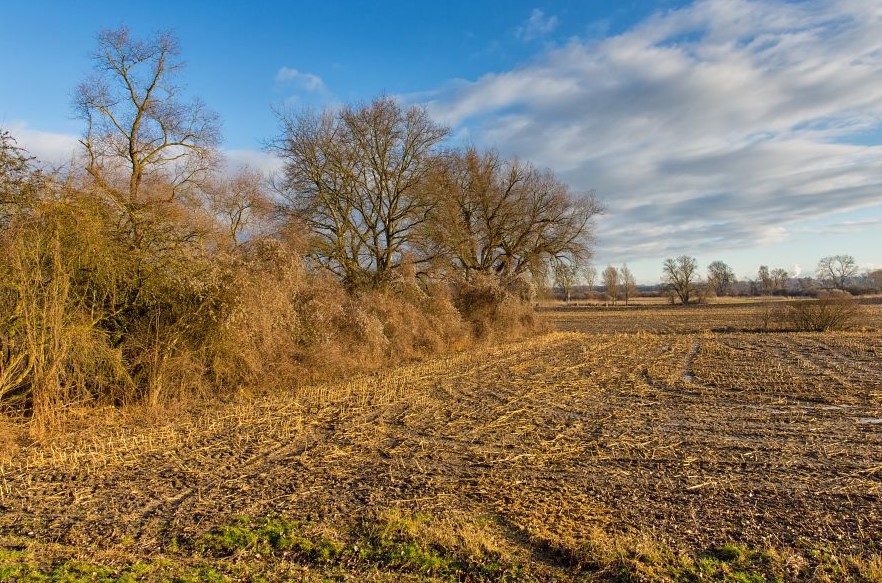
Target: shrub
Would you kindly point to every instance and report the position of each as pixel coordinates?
(771, 315)
(837, 311)
(494, 307)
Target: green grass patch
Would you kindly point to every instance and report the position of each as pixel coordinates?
(392, 545)
(394, 542)
(20, 566)
(269, 537)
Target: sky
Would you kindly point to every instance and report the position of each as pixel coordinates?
(747, 131)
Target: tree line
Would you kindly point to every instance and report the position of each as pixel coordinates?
(683, 282)
(147, 273)
(682, 279)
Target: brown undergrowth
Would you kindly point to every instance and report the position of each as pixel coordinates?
(92, 315)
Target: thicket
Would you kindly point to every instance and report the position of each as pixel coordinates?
(149, 275)
(87, 317)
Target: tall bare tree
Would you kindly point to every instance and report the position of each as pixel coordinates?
(138, 128)
(628, 283)
(589, 273)
(681, 275)
(611, 283)
(356, 177)
(779, 278)
(566, 277)
(721, 277)
(505, 217)
(764, 278)
(837, 269)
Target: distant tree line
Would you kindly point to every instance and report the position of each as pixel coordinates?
(683, 282)
(681, 278)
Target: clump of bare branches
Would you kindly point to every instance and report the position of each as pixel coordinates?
(833, 311)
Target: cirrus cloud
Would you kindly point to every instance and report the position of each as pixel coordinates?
(537, 26)
(720, 125)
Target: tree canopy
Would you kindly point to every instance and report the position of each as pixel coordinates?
(680, 275)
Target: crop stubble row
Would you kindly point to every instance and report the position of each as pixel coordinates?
(696, 438)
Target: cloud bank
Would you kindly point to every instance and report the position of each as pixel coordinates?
(52, 148)
(721, 125)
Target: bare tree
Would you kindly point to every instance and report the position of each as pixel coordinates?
(874, 277)
(240, 203)
(17, 177)
(628, 283)
(681, 275)
(764, 278)
(505, 218)
(837, 269)
(779, 279)
(566, 275)
(721, 277)
(589, 274)
(611, 283)
(356, 177)
(137, 127)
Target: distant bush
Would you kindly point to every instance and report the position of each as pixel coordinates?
(834, 311)
(771, 315)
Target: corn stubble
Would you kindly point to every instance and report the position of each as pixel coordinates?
(664, 456)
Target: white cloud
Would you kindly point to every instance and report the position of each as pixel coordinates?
(307, 81)
(537, 26)
(719, 125)
(57, 149)
(53, 148)
(262, 161)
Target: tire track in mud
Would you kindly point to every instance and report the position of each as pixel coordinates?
(862, 368)
(350, 427)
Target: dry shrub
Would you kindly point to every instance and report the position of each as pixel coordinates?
(260, 326)
(771, 316)
(415, 321)
(53, 351)
(285, 325)
(99, 307)
(495, 308)
(832, 311)
(88, 317)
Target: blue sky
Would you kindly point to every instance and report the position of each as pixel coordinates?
(743, 130)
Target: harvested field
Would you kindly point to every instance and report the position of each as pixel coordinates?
(667, 319)
(573, 456)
